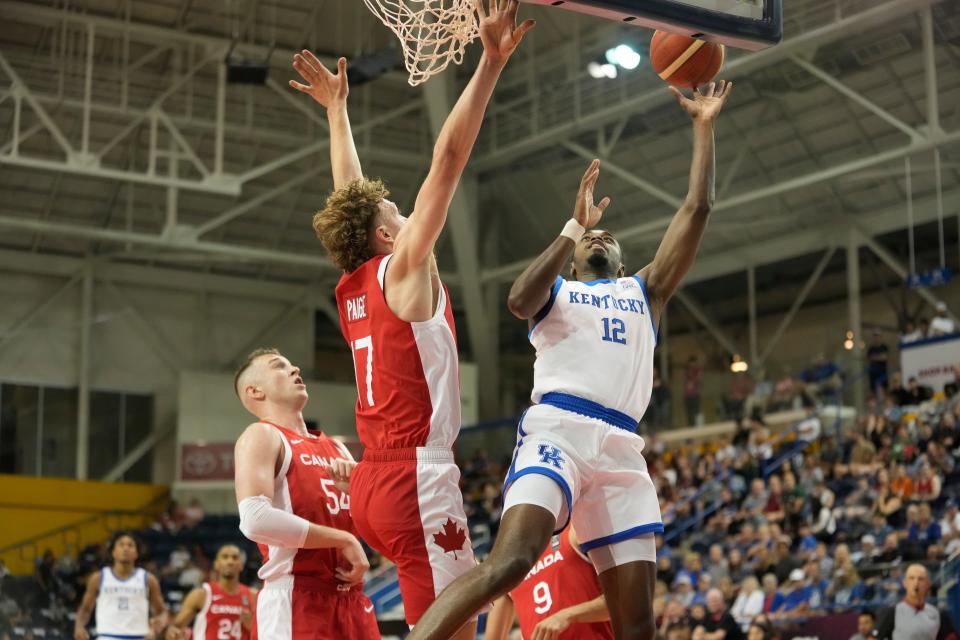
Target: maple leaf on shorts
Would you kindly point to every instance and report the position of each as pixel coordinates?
(451, 538)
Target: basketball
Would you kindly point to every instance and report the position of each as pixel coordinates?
(683, 61)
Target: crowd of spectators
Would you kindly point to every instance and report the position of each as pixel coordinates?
(771, 530)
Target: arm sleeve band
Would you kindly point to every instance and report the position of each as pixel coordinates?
(262, 522)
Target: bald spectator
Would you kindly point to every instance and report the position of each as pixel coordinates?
(913, 618)
(719, 624)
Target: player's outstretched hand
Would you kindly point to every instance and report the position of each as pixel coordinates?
(174, 633)
(354, 554)
(706, 105)
(585, 211)
(551, 628)
(498, 28)
(340, 471)
(329, 89)
(80, 634)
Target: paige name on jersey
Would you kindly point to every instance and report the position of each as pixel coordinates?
(607, 301)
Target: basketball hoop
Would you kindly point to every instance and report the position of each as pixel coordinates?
(432, 32)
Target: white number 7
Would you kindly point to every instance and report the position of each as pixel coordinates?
(366, 343)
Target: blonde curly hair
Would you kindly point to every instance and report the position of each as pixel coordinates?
(346, 221)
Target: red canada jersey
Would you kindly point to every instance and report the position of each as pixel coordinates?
(560, 579)
(408, 380)
(220, 617)
(304, 487)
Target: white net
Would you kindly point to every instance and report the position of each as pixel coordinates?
(432, 32)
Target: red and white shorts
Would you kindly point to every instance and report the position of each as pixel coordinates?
(298, 608)
(406, 504)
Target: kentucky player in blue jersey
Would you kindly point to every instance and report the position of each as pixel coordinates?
(577, 455)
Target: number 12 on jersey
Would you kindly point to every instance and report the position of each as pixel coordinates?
(613, 330)
(365, 343)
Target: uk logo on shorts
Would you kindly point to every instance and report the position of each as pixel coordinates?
(550, 455)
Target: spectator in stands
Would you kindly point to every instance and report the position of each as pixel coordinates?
(784, 391)
(825, 525)
(191, 576)
(925, 531)
(866, 626)
(773, 511)
(916, 393)
(193, 514)
(785, 563)
(914, 617)
(795, 596)
(719, 624)
(738, 389)
(749, 602)
(890, 552)
(660, 402)
(177, 562)
(759, 398)
(910, 333)
(901, 483)
(928, 484)
(772, 598)
(941, 324)
(844, 580)
(868, 550)
(717, 564)
(950, 523)
(822, 379)
(692, 383)
(683, 589)
(877, 356)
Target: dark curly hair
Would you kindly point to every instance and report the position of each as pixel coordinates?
(115, 538)
(345, 222)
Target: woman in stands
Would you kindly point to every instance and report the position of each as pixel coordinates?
(124, 595)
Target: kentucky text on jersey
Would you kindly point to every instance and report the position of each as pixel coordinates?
(607, 301)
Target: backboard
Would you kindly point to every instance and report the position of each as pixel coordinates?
(744, 24)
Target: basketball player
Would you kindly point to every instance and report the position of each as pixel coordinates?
(220, 610)
(559, 599)
(577, 454)
(292, 506)
(397, 319)
(123, 594)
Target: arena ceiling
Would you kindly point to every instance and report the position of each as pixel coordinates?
(118, 140)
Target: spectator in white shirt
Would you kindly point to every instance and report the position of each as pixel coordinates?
(941, 325)
(749, 602)
(911, 333)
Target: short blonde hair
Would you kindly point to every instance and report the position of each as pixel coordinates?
(345, 222)
(256, 353)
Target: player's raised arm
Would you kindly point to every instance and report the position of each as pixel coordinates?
(500, 36)
(679, 246)
(531, 291)
(255, 459)
(331, 90)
